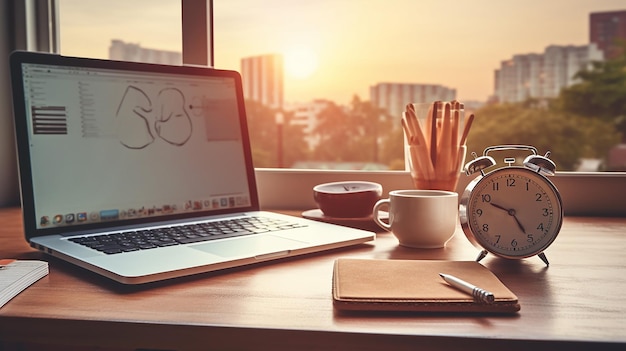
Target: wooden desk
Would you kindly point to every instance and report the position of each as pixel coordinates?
(576, 303)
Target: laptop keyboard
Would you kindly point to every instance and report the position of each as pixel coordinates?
(176, 235)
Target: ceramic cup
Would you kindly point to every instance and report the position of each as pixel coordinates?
(422, 219)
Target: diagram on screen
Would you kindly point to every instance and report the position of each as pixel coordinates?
(139, 121)
(168, 115)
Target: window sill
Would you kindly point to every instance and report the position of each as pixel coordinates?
(584, 194)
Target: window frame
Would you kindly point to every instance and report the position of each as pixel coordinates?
(197, 32)
(588, 194)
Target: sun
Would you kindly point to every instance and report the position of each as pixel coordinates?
(300, 62)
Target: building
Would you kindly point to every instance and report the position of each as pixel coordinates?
(119, 50)
(606, 29)
(394, 96)
(306, 115)
(541, 76)
(263, 79)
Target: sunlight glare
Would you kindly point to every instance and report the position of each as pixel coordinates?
(300, 62)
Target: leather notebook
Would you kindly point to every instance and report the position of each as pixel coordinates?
(415, 285)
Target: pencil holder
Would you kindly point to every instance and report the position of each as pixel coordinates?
(435, 143)
(426, 179)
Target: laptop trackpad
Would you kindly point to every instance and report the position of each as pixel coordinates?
(249, 246)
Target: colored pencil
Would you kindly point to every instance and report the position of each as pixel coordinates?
(468, 125)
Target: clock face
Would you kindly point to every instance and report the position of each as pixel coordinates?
(512, 212)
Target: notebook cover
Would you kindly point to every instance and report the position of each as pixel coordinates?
(415, 285)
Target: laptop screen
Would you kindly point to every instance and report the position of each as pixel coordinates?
(109, 144)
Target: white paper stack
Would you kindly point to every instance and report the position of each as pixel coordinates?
(17, 275)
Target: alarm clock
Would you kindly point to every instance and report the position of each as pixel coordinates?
(512, 212)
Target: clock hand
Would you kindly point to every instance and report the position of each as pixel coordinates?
(511, 213)
(518, 223)
(500, 207)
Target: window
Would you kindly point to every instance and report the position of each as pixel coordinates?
(332, 51)
(333, 77)
(139, 30)
(341, 58)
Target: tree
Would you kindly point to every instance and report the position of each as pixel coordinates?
(351, 135)
(392, 148)
(332, 133)
(264, 130)
(601, 93)
(567, 136)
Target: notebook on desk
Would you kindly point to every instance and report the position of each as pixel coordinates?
(143, 172)
(415, 286)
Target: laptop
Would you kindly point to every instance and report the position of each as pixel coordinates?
(143, 172)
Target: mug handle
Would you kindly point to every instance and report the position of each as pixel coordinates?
(377, 206)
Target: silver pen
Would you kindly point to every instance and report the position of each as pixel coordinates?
(481, 295)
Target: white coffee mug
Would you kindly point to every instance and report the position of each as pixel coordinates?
(422, 219)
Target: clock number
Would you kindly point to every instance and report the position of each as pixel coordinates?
(495, 186)
(538, 198)
(546, 212)
(540, 227)
(527, 186)
(513, 243)
(486, 198)
(510, 182)
(530, 238)
(498, 238)
(479, 212)
(485, 227)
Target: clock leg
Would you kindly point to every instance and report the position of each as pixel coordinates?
(481, 255)
(544, 258)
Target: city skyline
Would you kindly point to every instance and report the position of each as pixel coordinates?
(356, 47)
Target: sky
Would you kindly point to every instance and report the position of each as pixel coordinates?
(335, 49)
